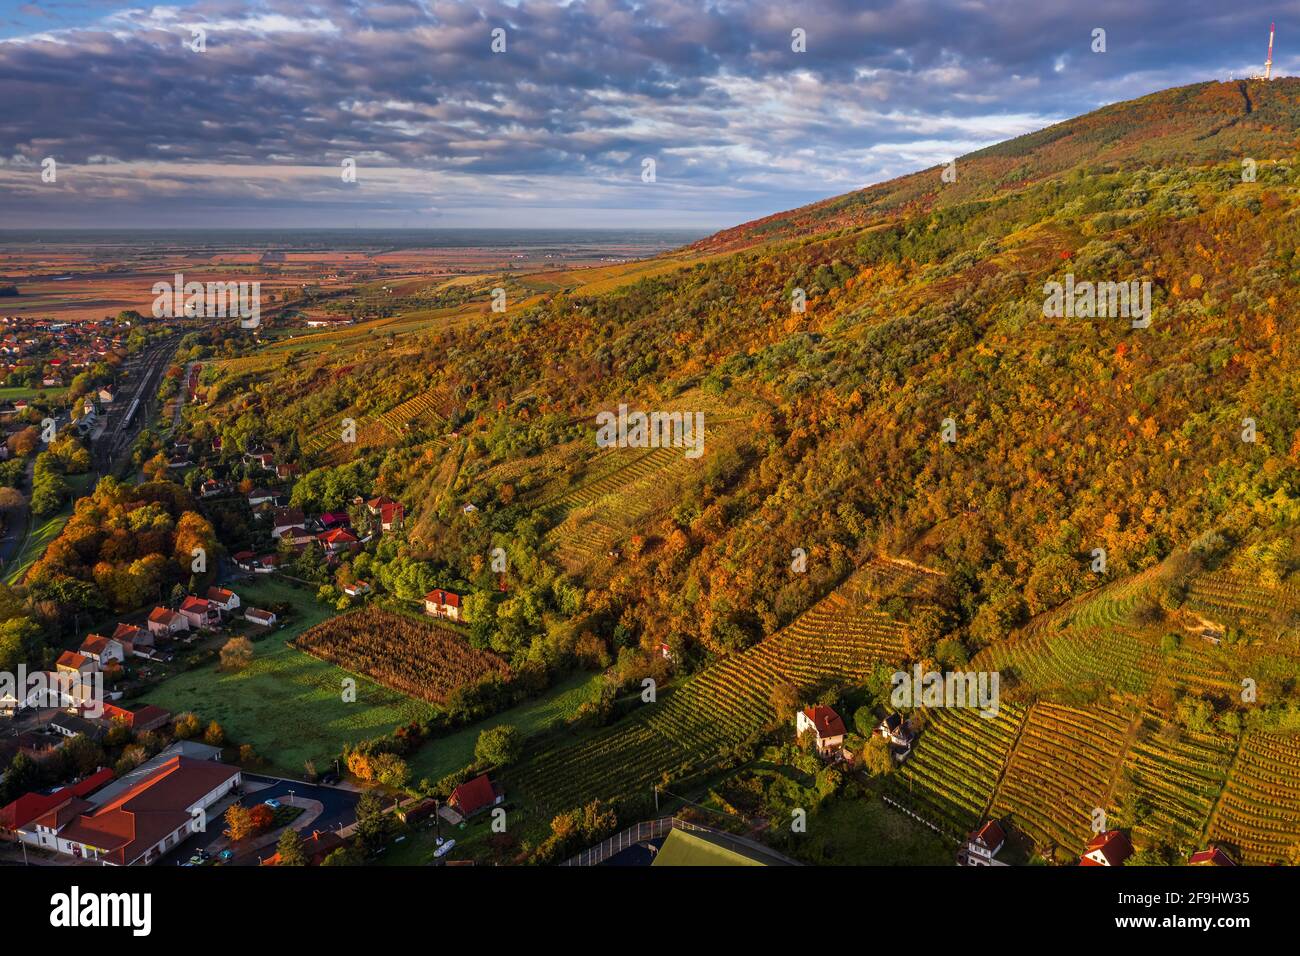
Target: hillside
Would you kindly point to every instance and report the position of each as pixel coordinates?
(826, 435)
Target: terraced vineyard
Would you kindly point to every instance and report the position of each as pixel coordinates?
(1179, 774)
(1259, 812)
(691, 729)
(1114, 658)
(1241, 598)
(955, 764)
(1062, 768)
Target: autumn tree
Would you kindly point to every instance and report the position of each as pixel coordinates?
(236, 654)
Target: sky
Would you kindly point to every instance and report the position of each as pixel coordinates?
(234, 113)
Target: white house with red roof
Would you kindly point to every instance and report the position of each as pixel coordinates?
(200, 612)
(826, 726)
(336, 540)
(103, 650)
(259, 617)
(1111, 848)
(983, 845)
(141, 823)
(223, 599)
(442, 604)
(164, 622)
(74, 663)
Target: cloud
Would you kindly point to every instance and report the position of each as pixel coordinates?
(556, 126)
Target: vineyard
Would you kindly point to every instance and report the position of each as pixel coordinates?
(1259, 811)
(417, 658)
(1063, 768)
(1244, 600)
(1178, 774)
(955, 765)
(691, 730)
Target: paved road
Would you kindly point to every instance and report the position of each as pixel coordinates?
(339, 809)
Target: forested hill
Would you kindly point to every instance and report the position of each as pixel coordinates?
(924, 319)
(1193, 125)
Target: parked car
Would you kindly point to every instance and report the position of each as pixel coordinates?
(273, 804)
(445, 848)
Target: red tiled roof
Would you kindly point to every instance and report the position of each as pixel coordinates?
(990, 835)
(71, 659)
(142, 717)
(1211, 857)
(32, 805)
(338, 534)
(140, 817)
(1114, 846)
(220, 595)
(94, 644)
(473, 795)
(439, 596)
(126, 632)
(161, 615)
(193, 603)
(825, 720)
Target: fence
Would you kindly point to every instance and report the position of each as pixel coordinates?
(639, 833)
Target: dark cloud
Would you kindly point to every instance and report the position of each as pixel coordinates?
(557, 126)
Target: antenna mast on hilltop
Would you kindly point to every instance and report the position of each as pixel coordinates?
(1268, 64)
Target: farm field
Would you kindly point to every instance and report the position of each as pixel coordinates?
(411, 656)
(443, 755)
(286, 703)
(866, 832)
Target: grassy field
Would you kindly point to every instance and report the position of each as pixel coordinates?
(14, 394)
(287, 704)
(437, 758)
(865, 832)
(43, 531)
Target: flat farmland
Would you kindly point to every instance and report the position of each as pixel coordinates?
(288, 704)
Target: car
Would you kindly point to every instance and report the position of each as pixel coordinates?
(445, 848)
(226, 855)
(272, 803)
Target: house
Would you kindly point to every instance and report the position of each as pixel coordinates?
(826, 725)
(224, 600)
(200, 612)
(73, 663)
(259, 617)
(70, 725)
(140, 824)
(475, 795)
(895, 729)
(1212, 856)
(245, 560)
(106, 394)
(136, 641)
(316, 847)
(444, 604)
(286, 518)
(1111, 848)
(166, 623)
(139, 721)
(103, 650)
(983, 845)
(340, 539)
(375, 505)
(356, 589)
(334, 519)
(212, 488)
(16, 815)
(391, 516)
(260, 496)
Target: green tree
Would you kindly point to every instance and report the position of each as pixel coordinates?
(499, 746)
